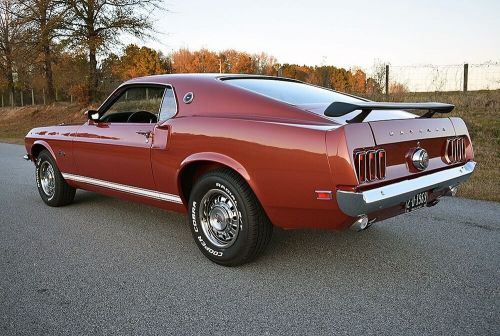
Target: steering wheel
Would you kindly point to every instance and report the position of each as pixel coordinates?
(142, 116)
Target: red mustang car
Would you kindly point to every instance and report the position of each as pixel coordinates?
(241, 153)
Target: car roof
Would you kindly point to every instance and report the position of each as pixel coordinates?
(214, 97)
(169, 78)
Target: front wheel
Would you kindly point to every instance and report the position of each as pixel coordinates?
(52, 187)
(226, 219)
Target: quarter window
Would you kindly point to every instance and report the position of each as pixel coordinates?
(169, 105)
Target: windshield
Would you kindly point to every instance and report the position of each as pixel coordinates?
(293, 93)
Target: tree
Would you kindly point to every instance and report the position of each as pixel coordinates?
(205, 60)
(45, 21)
(264, 64)
(11, 32)
(237, 62)
(137, 62)
(98, 23)
(358, 81)
(68, 73)
(182, 61)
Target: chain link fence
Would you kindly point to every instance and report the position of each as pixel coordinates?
(432, 78)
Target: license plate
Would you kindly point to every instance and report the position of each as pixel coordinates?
(416, 202)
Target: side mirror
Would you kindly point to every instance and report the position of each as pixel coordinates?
(92, 115)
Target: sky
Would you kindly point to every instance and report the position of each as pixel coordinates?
(344, 33)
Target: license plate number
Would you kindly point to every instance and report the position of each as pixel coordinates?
(416, 202)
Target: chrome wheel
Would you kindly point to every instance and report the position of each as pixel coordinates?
(219, 218)
(47, 179)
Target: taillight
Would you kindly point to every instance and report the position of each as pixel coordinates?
(455, 150)
(370, 165)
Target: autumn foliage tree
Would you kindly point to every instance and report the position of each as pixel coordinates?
(44, 21)
(11, 37)
(139, 61)
(96, 24)
(227, 61)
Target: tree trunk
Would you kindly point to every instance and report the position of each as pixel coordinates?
(48, 73)
(9, 73)
(47, 55)
(92, 76)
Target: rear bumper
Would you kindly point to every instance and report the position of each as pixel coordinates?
(362, 203)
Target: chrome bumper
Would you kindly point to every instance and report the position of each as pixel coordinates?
(355, 204)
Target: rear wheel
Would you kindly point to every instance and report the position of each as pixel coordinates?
(52, 187)
(226, 219)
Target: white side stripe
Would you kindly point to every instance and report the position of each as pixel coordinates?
(124, 188)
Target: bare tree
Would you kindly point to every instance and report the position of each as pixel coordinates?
(45, 22)
(10, 38)
(97, 23)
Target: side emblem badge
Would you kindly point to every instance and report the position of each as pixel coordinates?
(420, 159)
(188, 98)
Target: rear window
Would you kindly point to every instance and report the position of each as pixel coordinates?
(293, 93)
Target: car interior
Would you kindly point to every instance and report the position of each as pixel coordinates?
(130, 117)
(142, 105)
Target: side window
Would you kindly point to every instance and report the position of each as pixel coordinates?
(136, 104)
(169, 105)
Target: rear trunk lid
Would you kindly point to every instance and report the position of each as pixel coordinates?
(395, 131)
(392, 143)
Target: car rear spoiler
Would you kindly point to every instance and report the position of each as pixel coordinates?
(338, 109)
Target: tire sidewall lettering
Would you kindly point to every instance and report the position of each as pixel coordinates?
(200, 239)
(227, 190)
(37, 173)
(193, 217)
(196, 229)
(208, 248)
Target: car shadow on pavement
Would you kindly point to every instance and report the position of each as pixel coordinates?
(382, 244)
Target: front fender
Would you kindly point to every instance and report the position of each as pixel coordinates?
(44, 144)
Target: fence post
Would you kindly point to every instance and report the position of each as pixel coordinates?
(56, 96)
(11, 99)
(22, 98)
(43, 94)
(2, 100)
(71, 99)
(466, 76)
(32, 97)
(387, 80)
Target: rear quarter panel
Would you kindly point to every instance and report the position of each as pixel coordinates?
(284, 163)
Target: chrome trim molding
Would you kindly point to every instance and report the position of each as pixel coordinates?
(124, 188)
(355, 204)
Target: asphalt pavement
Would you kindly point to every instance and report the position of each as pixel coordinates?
(104, 266)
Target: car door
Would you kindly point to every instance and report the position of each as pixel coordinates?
(117, 147)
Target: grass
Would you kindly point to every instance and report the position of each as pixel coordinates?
(479, 109)
(16, 122)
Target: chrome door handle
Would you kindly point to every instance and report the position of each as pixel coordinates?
(147, 134)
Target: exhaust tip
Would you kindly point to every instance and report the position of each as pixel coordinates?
(452, 191)
(360, 224)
